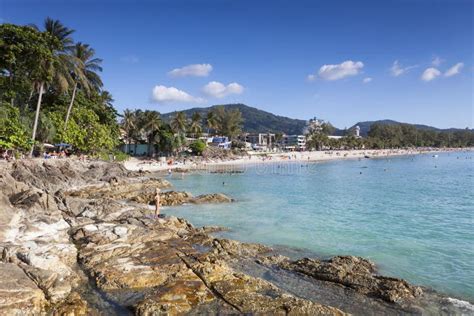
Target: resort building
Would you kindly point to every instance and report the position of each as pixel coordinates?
(220, 142)
(293, 142)
(259, 141)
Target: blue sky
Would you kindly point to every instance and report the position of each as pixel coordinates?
(344, 61)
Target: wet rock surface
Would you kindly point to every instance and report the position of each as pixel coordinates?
(78, 239)
(356, 273)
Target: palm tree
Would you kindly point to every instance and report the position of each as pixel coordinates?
(195, 126)
(85, 73)
(211, 121)
(128, 125)
(231, 123)
(178, 123)
(59, 41)
(151, 126)
(107, 99)
(137, 132)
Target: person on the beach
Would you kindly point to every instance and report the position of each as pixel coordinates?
(157, 202)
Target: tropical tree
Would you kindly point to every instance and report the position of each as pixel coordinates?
(229, 122)
(12, 132)
(178, 123)
(151, 126)
(195, 126)
(137, 132)
(129, 124)
(59, 66)
(60, 43)
(211, 121)
(85, 73)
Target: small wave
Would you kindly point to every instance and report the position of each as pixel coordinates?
(461, 304)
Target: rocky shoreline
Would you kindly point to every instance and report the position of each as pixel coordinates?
(78, 239)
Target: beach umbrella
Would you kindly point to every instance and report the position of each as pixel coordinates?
(46, 145)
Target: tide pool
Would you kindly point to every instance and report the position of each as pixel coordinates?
(413, 215)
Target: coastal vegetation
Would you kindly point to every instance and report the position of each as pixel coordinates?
(169, 136)
(51, 91)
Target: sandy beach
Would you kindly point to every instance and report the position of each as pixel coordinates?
(136, 164)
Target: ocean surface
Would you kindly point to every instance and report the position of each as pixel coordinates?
(413, 215)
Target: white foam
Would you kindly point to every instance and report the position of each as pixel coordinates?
(461, 304)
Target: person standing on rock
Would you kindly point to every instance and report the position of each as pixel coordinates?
(157, 202)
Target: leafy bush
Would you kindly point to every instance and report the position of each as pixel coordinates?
(198, 147)
(109, 155)
(12, 133)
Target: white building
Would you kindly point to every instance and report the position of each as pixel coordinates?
(293, 142)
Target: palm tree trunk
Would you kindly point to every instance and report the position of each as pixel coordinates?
(69, 109)
(35, 126)
(149, 148)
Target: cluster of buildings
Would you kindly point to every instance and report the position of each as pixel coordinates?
(266, 141)
(262, 141)
(255, 141)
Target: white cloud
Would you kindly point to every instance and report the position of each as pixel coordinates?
(340, 71)
(311, 77)
(195, 70)
(367, 80)
(162, 94)
(398, 70)
(430, 74)
(454, 70)
(219, 90)
(437, 61)
(132, 59)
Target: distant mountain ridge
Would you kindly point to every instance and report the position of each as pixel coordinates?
(366, 125)
(259, 121)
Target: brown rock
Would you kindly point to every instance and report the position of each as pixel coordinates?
(211, 198)
(18, 294)
(356, 273)
(73, 305)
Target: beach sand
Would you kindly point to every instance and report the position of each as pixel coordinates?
(136, 164)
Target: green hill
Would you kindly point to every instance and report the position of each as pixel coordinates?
(255, 120)
(258, 121)
(366, 125)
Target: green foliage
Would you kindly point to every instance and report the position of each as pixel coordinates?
(110, 155)
(85, 132)
(198, 147)
(25, 59)
(228, 122)
(407, 135)
(30, 58)
(317, 140)
(12, 132)
(195, 127)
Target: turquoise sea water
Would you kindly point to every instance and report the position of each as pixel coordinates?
(411, 215)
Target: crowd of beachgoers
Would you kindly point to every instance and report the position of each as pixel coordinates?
(196, 162)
